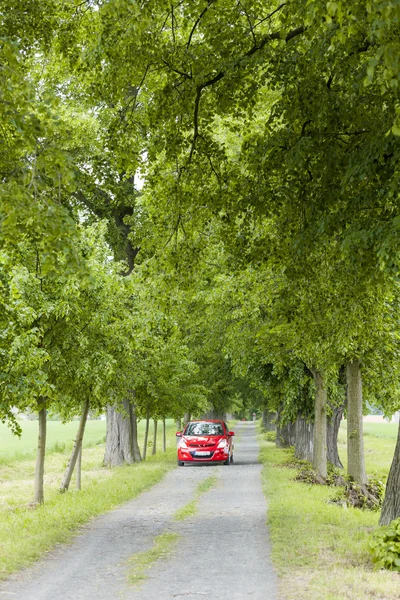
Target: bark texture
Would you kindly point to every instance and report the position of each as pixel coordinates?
(319, 450)
(304, 439)
(76, 449)
(186, 418)
(146, 435)
(210, 414)
(332, 432)
(154, 449)
(135, 444)
(38, 496)
(79, 469)
(268, 420)
(121, 436)
(391, 503)
(355, 441)
(164, 436)
(286, 435)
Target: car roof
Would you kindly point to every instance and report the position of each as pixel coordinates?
(206, 421)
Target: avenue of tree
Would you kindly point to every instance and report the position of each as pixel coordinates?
(199, 215)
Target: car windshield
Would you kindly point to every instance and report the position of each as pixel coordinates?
(204, 429)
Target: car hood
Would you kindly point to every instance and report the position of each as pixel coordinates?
(202, 440)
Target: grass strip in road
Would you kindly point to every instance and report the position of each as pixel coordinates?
(165, 543)
(186, 511)
(319, 549)
(190, 508)
(141, 562)
(26, 534)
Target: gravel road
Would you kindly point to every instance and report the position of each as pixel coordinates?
(223, 550)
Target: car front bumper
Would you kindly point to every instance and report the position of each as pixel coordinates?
(189, 455)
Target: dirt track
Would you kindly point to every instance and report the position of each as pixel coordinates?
(223, 550)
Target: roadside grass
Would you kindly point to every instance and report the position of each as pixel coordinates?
(190, 508)
(320, 550)
(141, 562)
(27, 533)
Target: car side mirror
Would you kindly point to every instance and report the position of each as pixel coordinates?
(231, 433)
(179, 434)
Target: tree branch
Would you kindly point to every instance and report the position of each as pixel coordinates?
(177, 71)
(173, 24)
(135, 95)
(249, 22)
(275, 36)
(303, 129)
(201, 15)
(199, 89)
(336, 133)
(270, 15)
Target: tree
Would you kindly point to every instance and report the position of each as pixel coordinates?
(66, 339)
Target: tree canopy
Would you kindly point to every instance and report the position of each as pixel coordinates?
(199, 202)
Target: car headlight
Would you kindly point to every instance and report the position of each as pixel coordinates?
(182, 444)
(222, 444)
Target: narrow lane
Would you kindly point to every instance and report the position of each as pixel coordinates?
(223, 549)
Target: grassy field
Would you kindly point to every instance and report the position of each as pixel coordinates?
(318, 548)
(379, 442)
(26, 533)
(59, 437)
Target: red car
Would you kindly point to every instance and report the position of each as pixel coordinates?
(205, 441)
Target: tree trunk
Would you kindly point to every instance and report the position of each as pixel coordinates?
(76, 449)
(391, 502)
(146, 435)
(164, 436)
(38, 496)
(135, 443)
(179, 424)
(285, 435)
(304, 439)
(211, 414)
(186, 418)
(154, 450)
(319, 450)
(355, 441)
(121, 436)
(79, 469)
(332, 432)
(268, 420)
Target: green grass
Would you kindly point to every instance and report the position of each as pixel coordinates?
(190, 508)
(141, 562)
(207, 484)
(381, 430)
(61, 436)
(186, 511)
(26, 533)
(320, 549)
